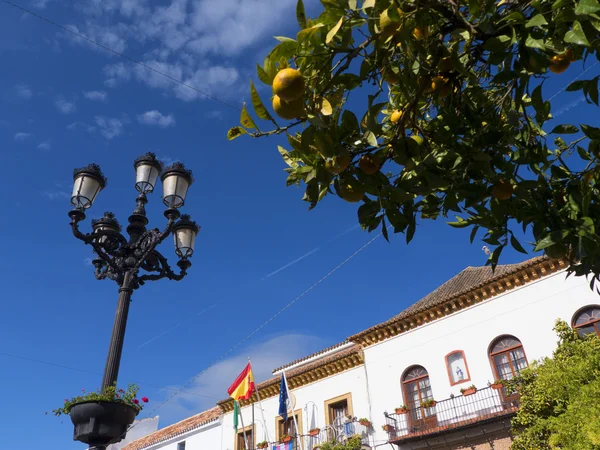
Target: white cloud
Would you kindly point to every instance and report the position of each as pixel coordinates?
(45, 145)
(20, 136)
(155, 117)
(65, 107)
(566, 108)
(23, 91)
(99, 96)
(109, 127)
(265, 356)
(39, 4)
(108, 36)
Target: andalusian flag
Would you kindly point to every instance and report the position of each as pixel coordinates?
(243, 386)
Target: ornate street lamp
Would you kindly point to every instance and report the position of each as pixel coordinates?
(130, 262)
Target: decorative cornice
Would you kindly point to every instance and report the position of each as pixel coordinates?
(326, 367)
(540, 268)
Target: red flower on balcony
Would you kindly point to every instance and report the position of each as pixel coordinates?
(145, 399)
(136, 401)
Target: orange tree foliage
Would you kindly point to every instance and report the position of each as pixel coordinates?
(446, 117)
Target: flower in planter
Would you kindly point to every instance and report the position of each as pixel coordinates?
(110, 394)
(468, 390)
(387, 428)
(263, 444)
(430, 403)
(365, 422)
(286, 438)
(401, 409)
(314, 431)
(497, 384)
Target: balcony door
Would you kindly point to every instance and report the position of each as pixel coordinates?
(417, 389)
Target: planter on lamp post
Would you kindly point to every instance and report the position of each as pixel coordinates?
(103, 418)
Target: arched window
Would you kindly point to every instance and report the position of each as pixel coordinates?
(587, 320)
(508, 357)
(416, 388)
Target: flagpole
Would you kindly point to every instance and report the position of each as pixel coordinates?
(287, 388)
(262, 412)
(244, 428)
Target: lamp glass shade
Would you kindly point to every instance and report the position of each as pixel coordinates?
(146, 176)
(85, 190)
(101, 228)
(185, 238)
(175, 187)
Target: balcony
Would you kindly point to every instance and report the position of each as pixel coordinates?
(453, 413)
(339, 432)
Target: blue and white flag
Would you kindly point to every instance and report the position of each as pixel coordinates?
(283, 399)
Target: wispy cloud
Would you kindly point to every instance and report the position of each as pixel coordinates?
(266, 355)
(98, 96)
(216, 114)
(23, 91)
(155, 117)
(56, 194)
(21, 136)
(65, 107)
(45, 145)
(291, 263)
(566, 108)
(110, 127)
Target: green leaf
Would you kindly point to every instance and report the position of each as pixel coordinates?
(246, 120)
(235, 132)
(257, 103)
(263, 76)
(352, 5)
(301, 14)
(535, 43)
(516, 244)
(410, 231)
(308, 32)
(587, 7)
(460, 223)
(576, 35)
(371, 138)
(474, 233)
(575, 86)
(368, 4)
(565, 129)
(495, 256)
(536, 21)
(551, 239)
(368, 211)
(334, 30)
(591, 132)
(591, 89)
(286, 157)
(349, 124)
(326, 108)
(384, 230)
(497, 44)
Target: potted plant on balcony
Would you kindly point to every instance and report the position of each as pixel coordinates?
(101, 418)
(497, 384)
(314, 432)
(429, 403)
(286, 438)
(263, 444)
(388, 428)
(401, 409)
(468, 390)
(365, 422)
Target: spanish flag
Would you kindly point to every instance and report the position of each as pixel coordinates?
(243, 386)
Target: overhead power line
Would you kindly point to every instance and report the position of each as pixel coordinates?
(122, 55)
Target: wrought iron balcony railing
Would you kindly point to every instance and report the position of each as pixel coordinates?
(452, 413)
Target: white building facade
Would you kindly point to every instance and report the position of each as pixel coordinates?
(412, 377)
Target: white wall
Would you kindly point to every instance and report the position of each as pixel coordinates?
(528, 313)
(207, 437)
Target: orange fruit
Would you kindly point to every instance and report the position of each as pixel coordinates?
(288, 110)
(569, 54)
(289, 84)
(502, 190)
(425, 84)
(557, 251)
(442, 85)
(559, 63)
(396, 116)
(421, 33)
(338, 163)
(369, 164)
(445, 65)
(351, 191)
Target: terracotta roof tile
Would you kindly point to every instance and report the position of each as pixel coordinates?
(320, 352)
(176, 429)
(465, 281)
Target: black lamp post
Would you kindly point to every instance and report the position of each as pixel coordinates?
(131, 262)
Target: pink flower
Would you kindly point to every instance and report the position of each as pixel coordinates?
(121, 391)
(66, 399)
(117, 395)
(136, 401)
(145, 399)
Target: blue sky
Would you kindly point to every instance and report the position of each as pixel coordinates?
(65, 103)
